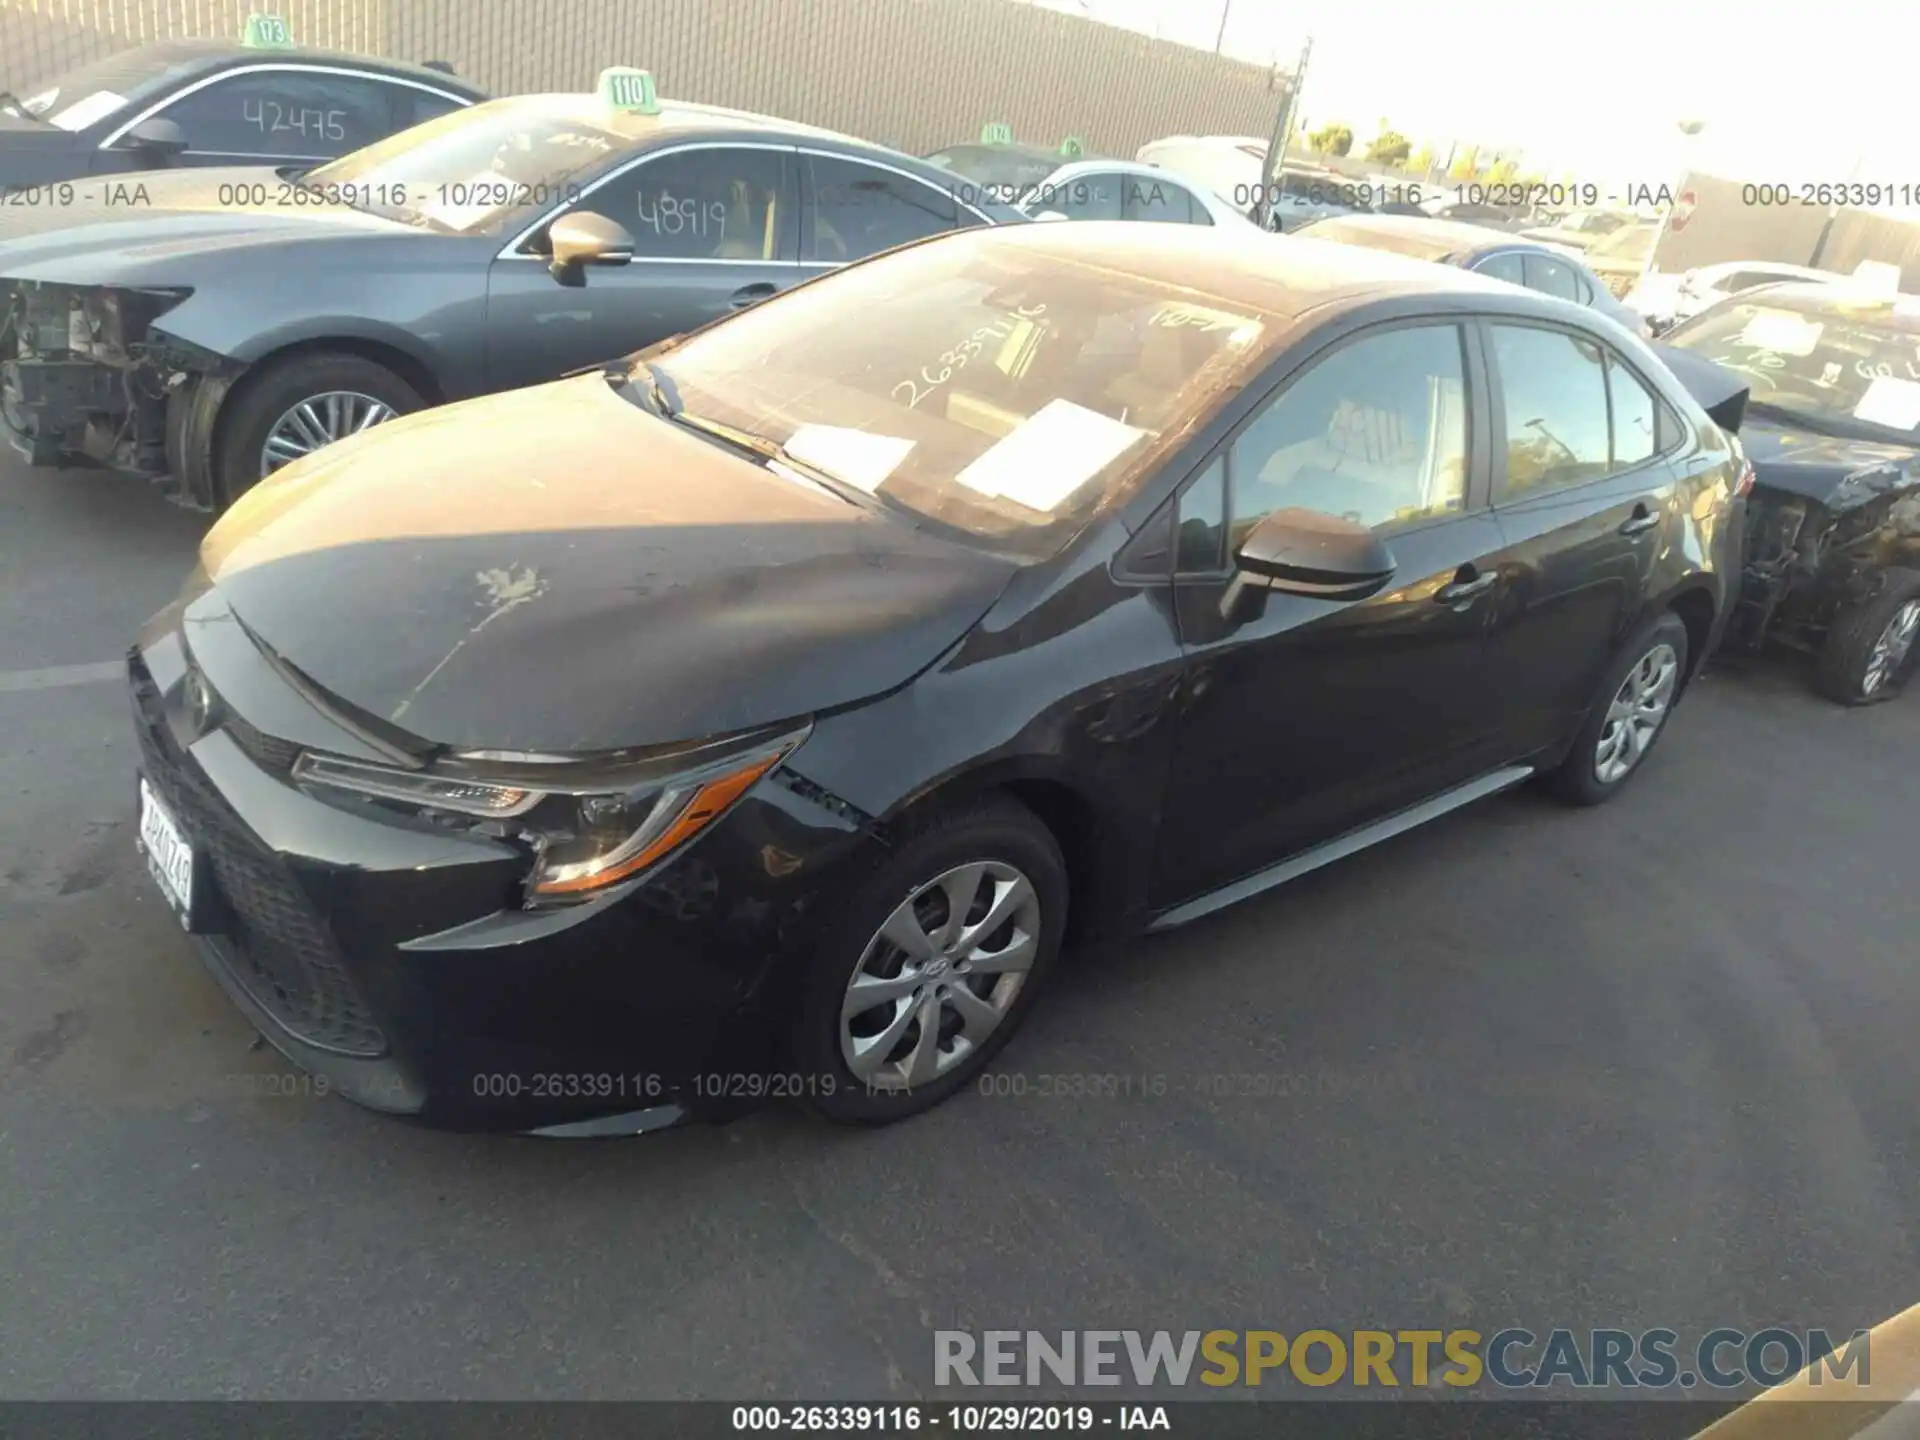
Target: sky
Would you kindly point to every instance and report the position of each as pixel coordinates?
(1794, 93)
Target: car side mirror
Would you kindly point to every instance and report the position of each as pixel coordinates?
(157, 138)
(1304, 552)
(583, 238)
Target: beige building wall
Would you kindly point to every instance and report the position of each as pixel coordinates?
(916, 74)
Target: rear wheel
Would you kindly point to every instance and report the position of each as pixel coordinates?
(299, 405)
(932, 964)
(1871, 648)
(1629, 714)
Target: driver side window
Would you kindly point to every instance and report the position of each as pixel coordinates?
(1376, 432)
(716, 203)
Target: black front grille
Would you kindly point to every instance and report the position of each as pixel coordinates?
(279, 949)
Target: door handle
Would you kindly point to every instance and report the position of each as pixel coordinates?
(752, 294)
(1463, 592)
(1641, 521)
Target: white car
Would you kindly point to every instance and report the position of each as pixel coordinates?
(1664, 300)
(1233, 167)
(1127, 190)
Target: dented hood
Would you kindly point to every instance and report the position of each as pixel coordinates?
(557, 570)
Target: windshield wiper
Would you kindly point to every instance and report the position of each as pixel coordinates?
(774, 452)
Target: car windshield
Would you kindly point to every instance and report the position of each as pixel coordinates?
(85, 96)
(1852, 369)
(993, 390)
(472, 170)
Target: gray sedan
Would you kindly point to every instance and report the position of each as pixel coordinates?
(211, 326)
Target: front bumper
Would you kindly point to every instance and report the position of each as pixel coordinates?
(394, 963)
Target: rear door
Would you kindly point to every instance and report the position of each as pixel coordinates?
(1582, 488)
(715, 228)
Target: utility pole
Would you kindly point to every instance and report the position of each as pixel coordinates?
(1226, 9)
(1282, 132)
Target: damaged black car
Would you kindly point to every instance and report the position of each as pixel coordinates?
(1832, 427)
(759, 717)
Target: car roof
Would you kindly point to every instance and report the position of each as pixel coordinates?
(1426, 238)
(1283, 276)
(679, 118)
(169, 61)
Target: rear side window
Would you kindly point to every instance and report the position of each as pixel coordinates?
(860, 210)
(1554, 389)
(1506, 266)
(1156, 200)
(415, 107)
(1636, 425)
(1552, 277)
(1087, 197)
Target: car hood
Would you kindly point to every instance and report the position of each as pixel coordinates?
(119, 222)
(1838, 473)
(558, 570)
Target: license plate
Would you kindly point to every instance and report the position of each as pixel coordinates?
(169, 855)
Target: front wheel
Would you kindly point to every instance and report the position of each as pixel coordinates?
(1870, 649)
(296, 406)
(931, 965)
(1630, 712)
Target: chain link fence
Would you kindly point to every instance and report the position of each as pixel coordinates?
(915, 74)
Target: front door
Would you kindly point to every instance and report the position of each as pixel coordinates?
(1305, 718)
(716, 228)
(1581, 493)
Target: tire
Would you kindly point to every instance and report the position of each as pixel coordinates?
(999, 833)
(1852, 669)
(263, 399)
(1587, 776)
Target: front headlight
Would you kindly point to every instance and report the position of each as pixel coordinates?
(588, 823)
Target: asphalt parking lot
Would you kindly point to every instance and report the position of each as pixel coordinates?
(1648, 1065)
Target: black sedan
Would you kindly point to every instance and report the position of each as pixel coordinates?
(762, 715)
(202, 102)
(1470, 247)
(234, 320)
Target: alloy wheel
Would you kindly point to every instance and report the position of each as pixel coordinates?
(1891, 649)
(317, 421)
(938, 978)
(1638, 710)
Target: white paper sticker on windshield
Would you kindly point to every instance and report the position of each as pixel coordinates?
(1782, 333)
(1891, 402)
(850, 455)
(1060, 447)
(82, 113)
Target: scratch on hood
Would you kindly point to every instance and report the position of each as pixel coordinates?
(501, 591)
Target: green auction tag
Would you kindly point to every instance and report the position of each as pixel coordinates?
(267, 32)
(996, 132)
(1073, 147)
(624, 88)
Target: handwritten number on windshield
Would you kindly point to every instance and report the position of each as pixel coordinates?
(910, 392)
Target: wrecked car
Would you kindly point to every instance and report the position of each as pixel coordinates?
(1832, 427)
(233, 320)
(175, 103)
(758, 716)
